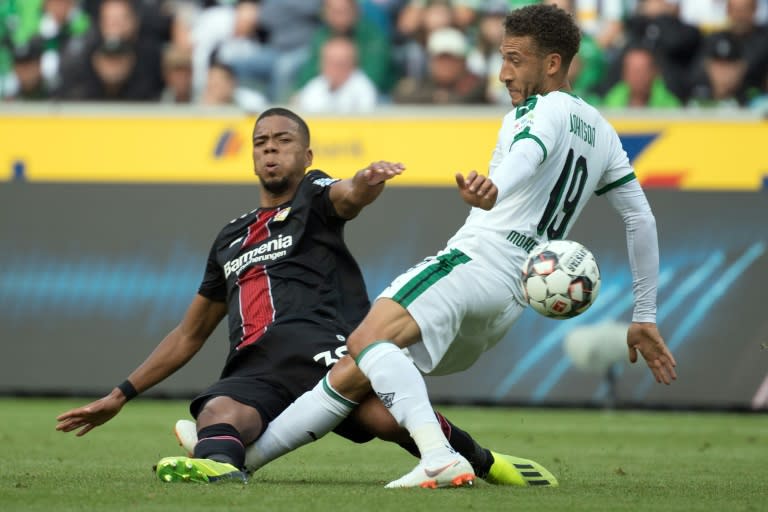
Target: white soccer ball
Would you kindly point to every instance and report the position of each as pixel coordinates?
(561, 279)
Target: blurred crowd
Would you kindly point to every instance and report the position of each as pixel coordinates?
(351, 55)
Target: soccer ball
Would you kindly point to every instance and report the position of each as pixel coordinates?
(561, 279)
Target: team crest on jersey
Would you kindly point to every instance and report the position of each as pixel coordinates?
(281, 215)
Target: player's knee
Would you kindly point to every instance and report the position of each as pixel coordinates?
(387, 321)
(356, 343)
(347, 379)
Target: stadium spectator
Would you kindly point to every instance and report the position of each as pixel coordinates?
(656, 25)
(287, 27)
(221, 88)
(30, 84)
(719, 79)
(449, 80)
(177, 74)
(209, 29)
(111, 74)
(641, 84)
(62, 26)
(414, 24)
(341, 87)
(121, 20)
(742, 23)
(118, 22)
(343, 18)
(483, 58)
(156, 17)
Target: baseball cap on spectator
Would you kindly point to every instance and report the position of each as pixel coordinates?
(31, 50)
(723, 46)
(447, 41)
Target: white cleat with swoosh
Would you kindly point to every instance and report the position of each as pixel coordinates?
(453, 472)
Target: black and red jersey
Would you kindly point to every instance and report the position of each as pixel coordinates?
(284, 264)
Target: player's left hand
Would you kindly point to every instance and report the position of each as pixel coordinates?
(477, 190)
(381, 171)
(90, 416)
(645, 338)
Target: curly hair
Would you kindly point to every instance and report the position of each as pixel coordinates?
(552, 29)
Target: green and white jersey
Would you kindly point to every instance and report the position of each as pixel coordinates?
(552, 153)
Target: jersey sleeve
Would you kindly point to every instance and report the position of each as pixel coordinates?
(319, 184)
(642, 246)
(214, 285)
(618, 171)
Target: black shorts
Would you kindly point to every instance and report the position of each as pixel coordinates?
(288, 360)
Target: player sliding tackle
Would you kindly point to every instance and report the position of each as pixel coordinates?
(552, 153)
(292, 291)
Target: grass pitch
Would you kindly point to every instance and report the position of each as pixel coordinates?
(608, 461)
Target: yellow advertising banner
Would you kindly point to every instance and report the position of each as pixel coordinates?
(669, 153)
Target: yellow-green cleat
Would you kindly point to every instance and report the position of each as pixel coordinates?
(509, 470)
(186, 469)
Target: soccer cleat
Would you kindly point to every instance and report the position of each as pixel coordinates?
(186, 469)
(186, 434)
(509, 470)
(454, 472)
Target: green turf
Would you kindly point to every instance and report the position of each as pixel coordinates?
(605, 461)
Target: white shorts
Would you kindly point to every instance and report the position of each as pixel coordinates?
(462, 306)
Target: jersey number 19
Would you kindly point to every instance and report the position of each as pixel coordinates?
(573, 177)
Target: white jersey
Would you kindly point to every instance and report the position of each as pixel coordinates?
(552, 154)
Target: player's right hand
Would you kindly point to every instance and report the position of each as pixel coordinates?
(477, 190)
(90, 416)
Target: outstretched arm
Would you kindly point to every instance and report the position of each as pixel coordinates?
(351, 195)
(642, 244)
(172, 353)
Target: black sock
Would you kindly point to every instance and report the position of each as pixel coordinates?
(220, 442)
(411, 448)
(480, 458)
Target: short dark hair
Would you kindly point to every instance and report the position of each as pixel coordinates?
(552, 29)
(284, 112)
